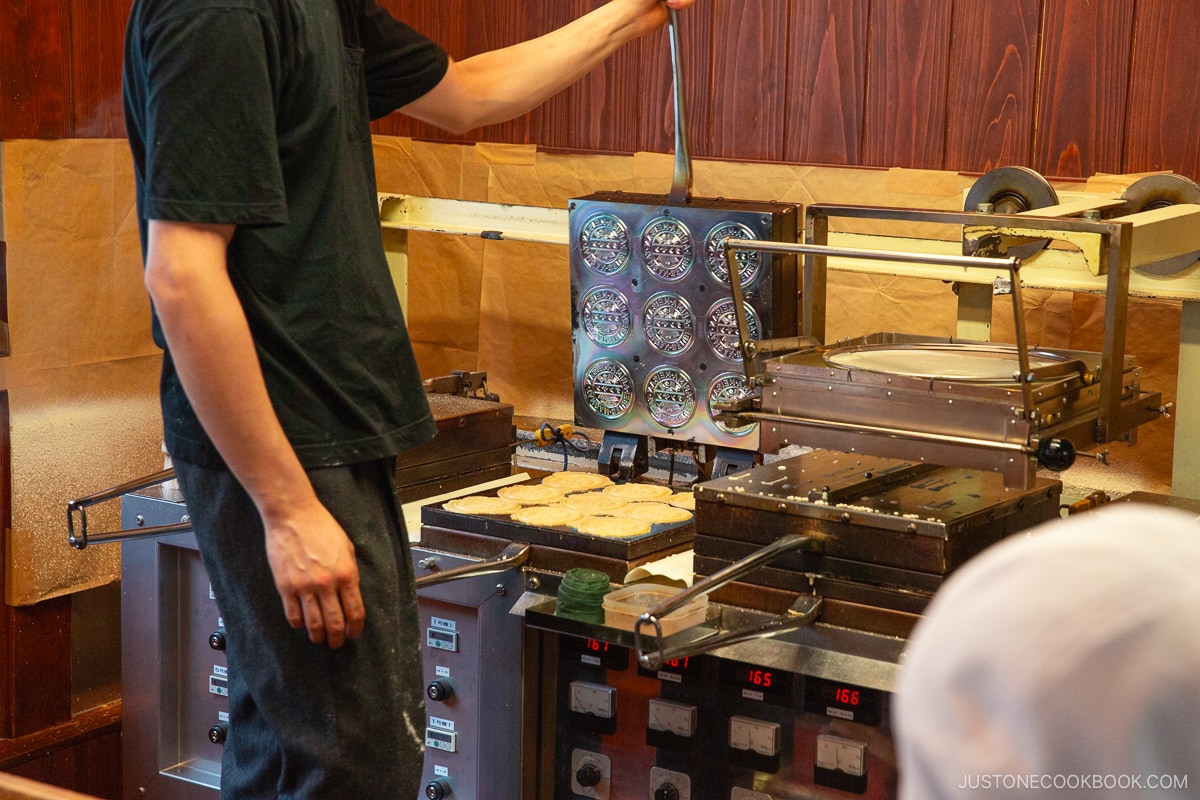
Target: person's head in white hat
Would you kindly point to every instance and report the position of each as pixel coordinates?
(1065, 662)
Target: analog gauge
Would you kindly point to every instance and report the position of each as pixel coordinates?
(844, 755)
(755, 735)
(593, 698)
(672, 717)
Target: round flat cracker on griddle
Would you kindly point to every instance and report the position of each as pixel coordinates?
(481, 504)
(547, 516)
(576, 481)
(531, 494)
(619, 527)
(682, 500)
(654, 513)
(592, 502)
(638, 492)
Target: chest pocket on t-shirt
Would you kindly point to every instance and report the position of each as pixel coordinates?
(354, 93)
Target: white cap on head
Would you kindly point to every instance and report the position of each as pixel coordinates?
(1068, 654)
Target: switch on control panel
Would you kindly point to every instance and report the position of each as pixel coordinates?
(591, 774)
(668, 785)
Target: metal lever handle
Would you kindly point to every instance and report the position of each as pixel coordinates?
(81, 505)
(766, 555)
(681, 182)
(514, 555)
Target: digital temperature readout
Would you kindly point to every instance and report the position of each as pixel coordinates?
(596, 653)
(684, 671)
(842, 700)
(756, 682)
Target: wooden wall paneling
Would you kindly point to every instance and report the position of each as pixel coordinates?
(656, 116)
(603, 106)
(35, 69)
(908, 47)
(993, 75)
(97, 52)
(1082, 87)
(826, 76)
(749, 66)
(443, 22)
(1163, 118)
(493, 26)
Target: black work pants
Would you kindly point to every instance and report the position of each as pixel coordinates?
(307, 721)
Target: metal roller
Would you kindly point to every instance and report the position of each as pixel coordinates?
(1011, 190)
(1160, 191)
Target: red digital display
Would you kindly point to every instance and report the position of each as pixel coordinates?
(846, 696)
(596, 652)
(755, 682)
(761, 678)
(843, 701)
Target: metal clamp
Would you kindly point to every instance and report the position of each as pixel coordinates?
(1012, 264)
(804, 612)
(514, 555)
(81, 505)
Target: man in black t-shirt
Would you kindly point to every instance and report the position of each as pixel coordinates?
(289, 383)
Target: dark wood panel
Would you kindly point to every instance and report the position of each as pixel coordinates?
(993, 75)
(1083, 86)
(823, 111)
(1163, 119)
(750, 43)
(82, 755)
(97, 43)
(441, 21)
(907, 62)
(35, 69)
(601, 110)
(656, 115)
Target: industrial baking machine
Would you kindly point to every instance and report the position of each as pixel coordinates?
(807, 567)
(815, 565)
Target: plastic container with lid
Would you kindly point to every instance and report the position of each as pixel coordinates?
(623, 607)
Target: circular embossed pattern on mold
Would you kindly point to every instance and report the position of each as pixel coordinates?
(670, 396)
(667, 248)
(669, 323)
(749, 261)
(608, 388)
(725, 388)
(722, 330)
(604, 244)
(605, 315)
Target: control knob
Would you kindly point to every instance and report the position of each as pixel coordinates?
(440, 690)
(588, 775)
(666, 792)
(437, 789)
(217, 733)
(216, 639)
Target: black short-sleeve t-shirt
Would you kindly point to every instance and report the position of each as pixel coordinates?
(256, 113)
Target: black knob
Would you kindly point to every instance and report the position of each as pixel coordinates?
(440, 689)
(588, 775)
(216, 639)
(1056, 454)
(666, 792)
(437, 788)
(217, 733)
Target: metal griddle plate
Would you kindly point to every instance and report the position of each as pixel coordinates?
(940, 400)
(661, 539)
(876, 513)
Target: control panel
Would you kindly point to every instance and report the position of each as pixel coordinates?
(712, 727)
(174, 675)
(472, 675)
